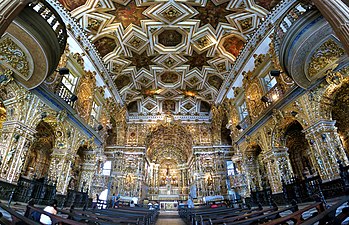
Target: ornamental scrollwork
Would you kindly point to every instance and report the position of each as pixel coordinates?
(14, 57)
(328, 53)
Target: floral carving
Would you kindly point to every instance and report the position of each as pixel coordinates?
(328, 53)
(14, 56)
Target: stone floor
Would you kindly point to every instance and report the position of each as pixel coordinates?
(169, 218)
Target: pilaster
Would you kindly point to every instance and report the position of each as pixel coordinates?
(326, 148)
(278, 167)
(15, 141)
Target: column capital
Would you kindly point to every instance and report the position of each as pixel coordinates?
(321, 126)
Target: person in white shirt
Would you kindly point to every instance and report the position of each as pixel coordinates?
(52, 208)
(132, 204)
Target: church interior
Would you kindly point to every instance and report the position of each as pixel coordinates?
(161, 101)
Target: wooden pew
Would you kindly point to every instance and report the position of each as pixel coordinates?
(296, 217)
(54, 218)
(16, 217)
(132, 215)
(194, 215)
(262, 218)
(3, 220)
(102, 219)
(205, 218)
(232, 218)
(329, 215)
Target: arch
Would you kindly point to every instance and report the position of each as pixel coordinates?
(225, 132)
(298, 149)
(254, 159)
(76, 168)
(39, 155)
(169, 141)
(278, 133)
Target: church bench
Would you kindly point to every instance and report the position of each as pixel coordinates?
(232, 218)
(202, 218)
(329, 215)
(150, 215)
(130, 215)
(54, 218)
(262, 218)
(3, 220)
(199, 215)
(99, 219)
(297, 217)
(16, 217)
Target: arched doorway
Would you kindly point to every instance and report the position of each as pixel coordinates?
(38, 159)
(340, 112)
(76, 169)
(299, 150)
(225, 132)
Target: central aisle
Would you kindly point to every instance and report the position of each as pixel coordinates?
(169, 218)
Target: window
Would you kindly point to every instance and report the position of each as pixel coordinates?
(230, 168)
(69, 80)
(95, 111)
(106, 168)
(243, 111)
(269, 82)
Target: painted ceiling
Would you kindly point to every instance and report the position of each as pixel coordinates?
(169, 55)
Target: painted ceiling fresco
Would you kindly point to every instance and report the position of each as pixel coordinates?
(169, 55)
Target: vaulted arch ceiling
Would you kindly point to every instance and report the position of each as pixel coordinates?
(180, 51)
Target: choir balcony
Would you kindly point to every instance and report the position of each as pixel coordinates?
(306, 45)
(32, 44)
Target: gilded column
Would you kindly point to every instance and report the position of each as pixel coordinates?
(278, 167)
(9, 9)
(336, 12)
(326, 148)
(16, 140)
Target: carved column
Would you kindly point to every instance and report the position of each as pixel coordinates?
(16, 140)
(336, 12)
(326, 148)
(9, 9)
(238, 181)
(278, 167)
(88, 172)
(250, 168)
(63, 169)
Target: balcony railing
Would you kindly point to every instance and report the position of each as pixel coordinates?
(53, 19)
(286, 22)
(274, 94)
(63, 92)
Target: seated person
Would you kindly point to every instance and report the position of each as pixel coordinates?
(52, 208)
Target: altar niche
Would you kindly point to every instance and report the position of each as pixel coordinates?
(38, 159)
(168, 178)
